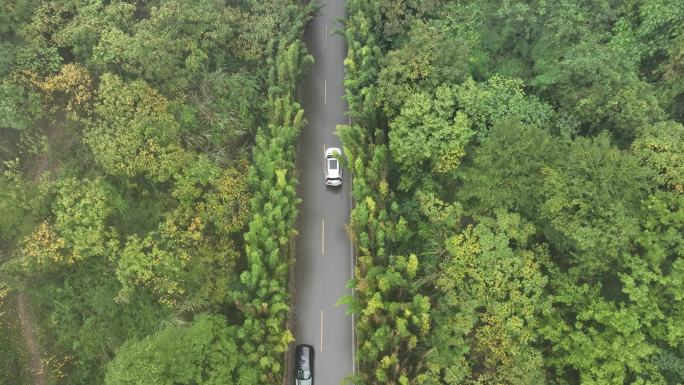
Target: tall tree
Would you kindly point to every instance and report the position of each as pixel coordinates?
(428, 136)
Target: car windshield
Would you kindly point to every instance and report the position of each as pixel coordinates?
(303, 375)
(332, 164)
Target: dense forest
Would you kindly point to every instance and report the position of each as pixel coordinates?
(519, 191)
(147, 188)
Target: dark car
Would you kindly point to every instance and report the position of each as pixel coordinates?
(304, 357)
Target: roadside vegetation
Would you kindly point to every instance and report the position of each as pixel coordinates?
(147, 188)
(519, 191)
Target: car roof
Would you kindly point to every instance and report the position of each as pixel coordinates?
(333, 172)
(303, 357)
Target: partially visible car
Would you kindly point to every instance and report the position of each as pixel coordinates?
(304, 359)
(333, 170)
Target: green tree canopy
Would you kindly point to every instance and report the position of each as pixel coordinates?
(506, 170)
(499, 99)
(429, 58)
(202, 353)
(428, 136)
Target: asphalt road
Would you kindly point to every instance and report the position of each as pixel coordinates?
(323, 254)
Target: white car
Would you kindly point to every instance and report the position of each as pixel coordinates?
(333, 170)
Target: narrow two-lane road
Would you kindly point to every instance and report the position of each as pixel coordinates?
(323, 254)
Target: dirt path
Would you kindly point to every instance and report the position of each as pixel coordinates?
(40, 165)
(27, 330)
